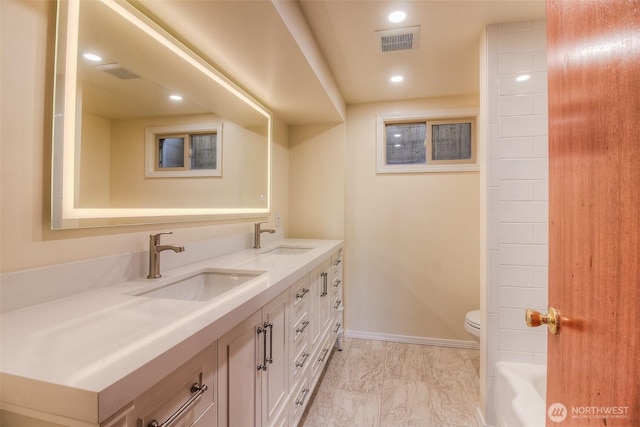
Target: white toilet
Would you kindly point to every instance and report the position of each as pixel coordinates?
(472, 324)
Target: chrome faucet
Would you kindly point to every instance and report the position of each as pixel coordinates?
(257, 232)
(154, 254)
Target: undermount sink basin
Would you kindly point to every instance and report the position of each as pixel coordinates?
(202, 286)
(288, 250)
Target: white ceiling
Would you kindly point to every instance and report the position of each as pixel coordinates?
(306, 59)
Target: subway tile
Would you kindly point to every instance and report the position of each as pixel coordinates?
(516, 190)
(493, 156)
(541, 189)
(516, 276)
(513, 318)
(493, 336)
(540, 103)
(541, 277)
(518, 254)
(515, 62)
(521, 298)
(516, 356)
(493, 215)
(540, 60)
(516, 105)
(523, 341)
(518, 41)
(540, 25)
(513, 148)
(508, 85)
(540, 357)
(523, 212)
(541, 233)
(493, 280)
(523, 126)
(522, 233)
(541, 146)
(537, 168)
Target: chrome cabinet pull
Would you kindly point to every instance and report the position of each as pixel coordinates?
(335, 331)
(302, 294)
(304, 326)
(270, 326)
(304, 359)
(324, 355)
(337, 262)
(323, 293)
(337, 283)
(304, 397)
(263, 366)
(197, 390)
(337, 304)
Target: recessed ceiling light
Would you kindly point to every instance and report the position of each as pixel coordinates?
(396, 79)
(398, 145)
(397, 16)
(523, 77)
(397, 135)
(92, 57)
(175, 97)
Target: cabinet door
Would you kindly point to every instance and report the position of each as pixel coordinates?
(319, 304)
(239, 353)
(275, 379)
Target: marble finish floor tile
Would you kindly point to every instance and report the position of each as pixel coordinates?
(386, 384)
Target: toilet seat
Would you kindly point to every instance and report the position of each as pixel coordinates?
(473, 318)
(472, 322)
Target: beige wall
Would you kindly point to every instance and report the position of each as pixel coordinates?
(26, 241)
(317, 181)
(412, 240)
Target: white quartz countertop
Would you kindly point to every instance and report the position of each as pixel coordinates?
(108, 345)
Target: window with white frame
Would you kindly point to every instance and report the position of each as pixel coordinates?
(427, 141)
(184, 150)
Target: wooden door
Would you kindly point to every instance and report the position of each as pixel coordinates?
(594, 219)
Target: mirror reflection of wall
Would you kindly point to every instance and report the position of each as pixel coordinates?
(129, 76)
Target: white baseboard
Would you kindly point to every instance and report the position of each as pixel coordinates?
(413, 340)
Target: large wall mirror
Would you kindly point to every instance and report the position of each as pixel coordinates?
(145, 131)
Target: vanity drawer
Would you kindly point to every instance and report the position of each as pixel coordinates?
(299, 362)
(300, 330)
(185, 395)
(300, 296)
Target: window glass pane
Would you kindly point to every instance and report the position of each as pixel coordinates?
(406, 143)
(204, 149)
(451, 141)
(171, 152)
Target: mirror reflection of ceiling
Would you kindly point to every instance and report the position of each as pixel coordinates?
(136, 76)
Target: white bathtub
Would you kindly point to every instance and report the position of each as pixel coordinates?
(520, 395)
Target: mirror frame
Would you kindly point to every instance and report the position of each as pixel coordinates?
(64, 213)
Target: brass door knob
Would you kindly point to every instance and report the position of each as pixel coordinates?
(551, 319)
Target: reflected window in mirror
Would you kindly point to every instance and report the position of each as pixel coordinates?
(187, 152)
(184, 150)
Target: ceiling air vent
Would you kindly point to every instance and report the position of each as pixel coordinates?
(118, 71)
(398, 39)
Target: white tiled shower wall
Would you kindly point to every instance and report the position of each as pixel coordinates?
(517, 194)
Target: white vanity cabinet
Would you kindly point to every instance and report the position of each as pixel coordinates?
(253, 376)
(185, 396)
(320, 301)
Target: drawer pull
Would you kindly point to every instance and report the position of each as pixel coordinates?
(300, 402)
(302, 293)
(324, 355)
(335, 331)
(337, 283)
(337, 262)
(337, 304)
(304, 359)
(197, 390)
(305, 323)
